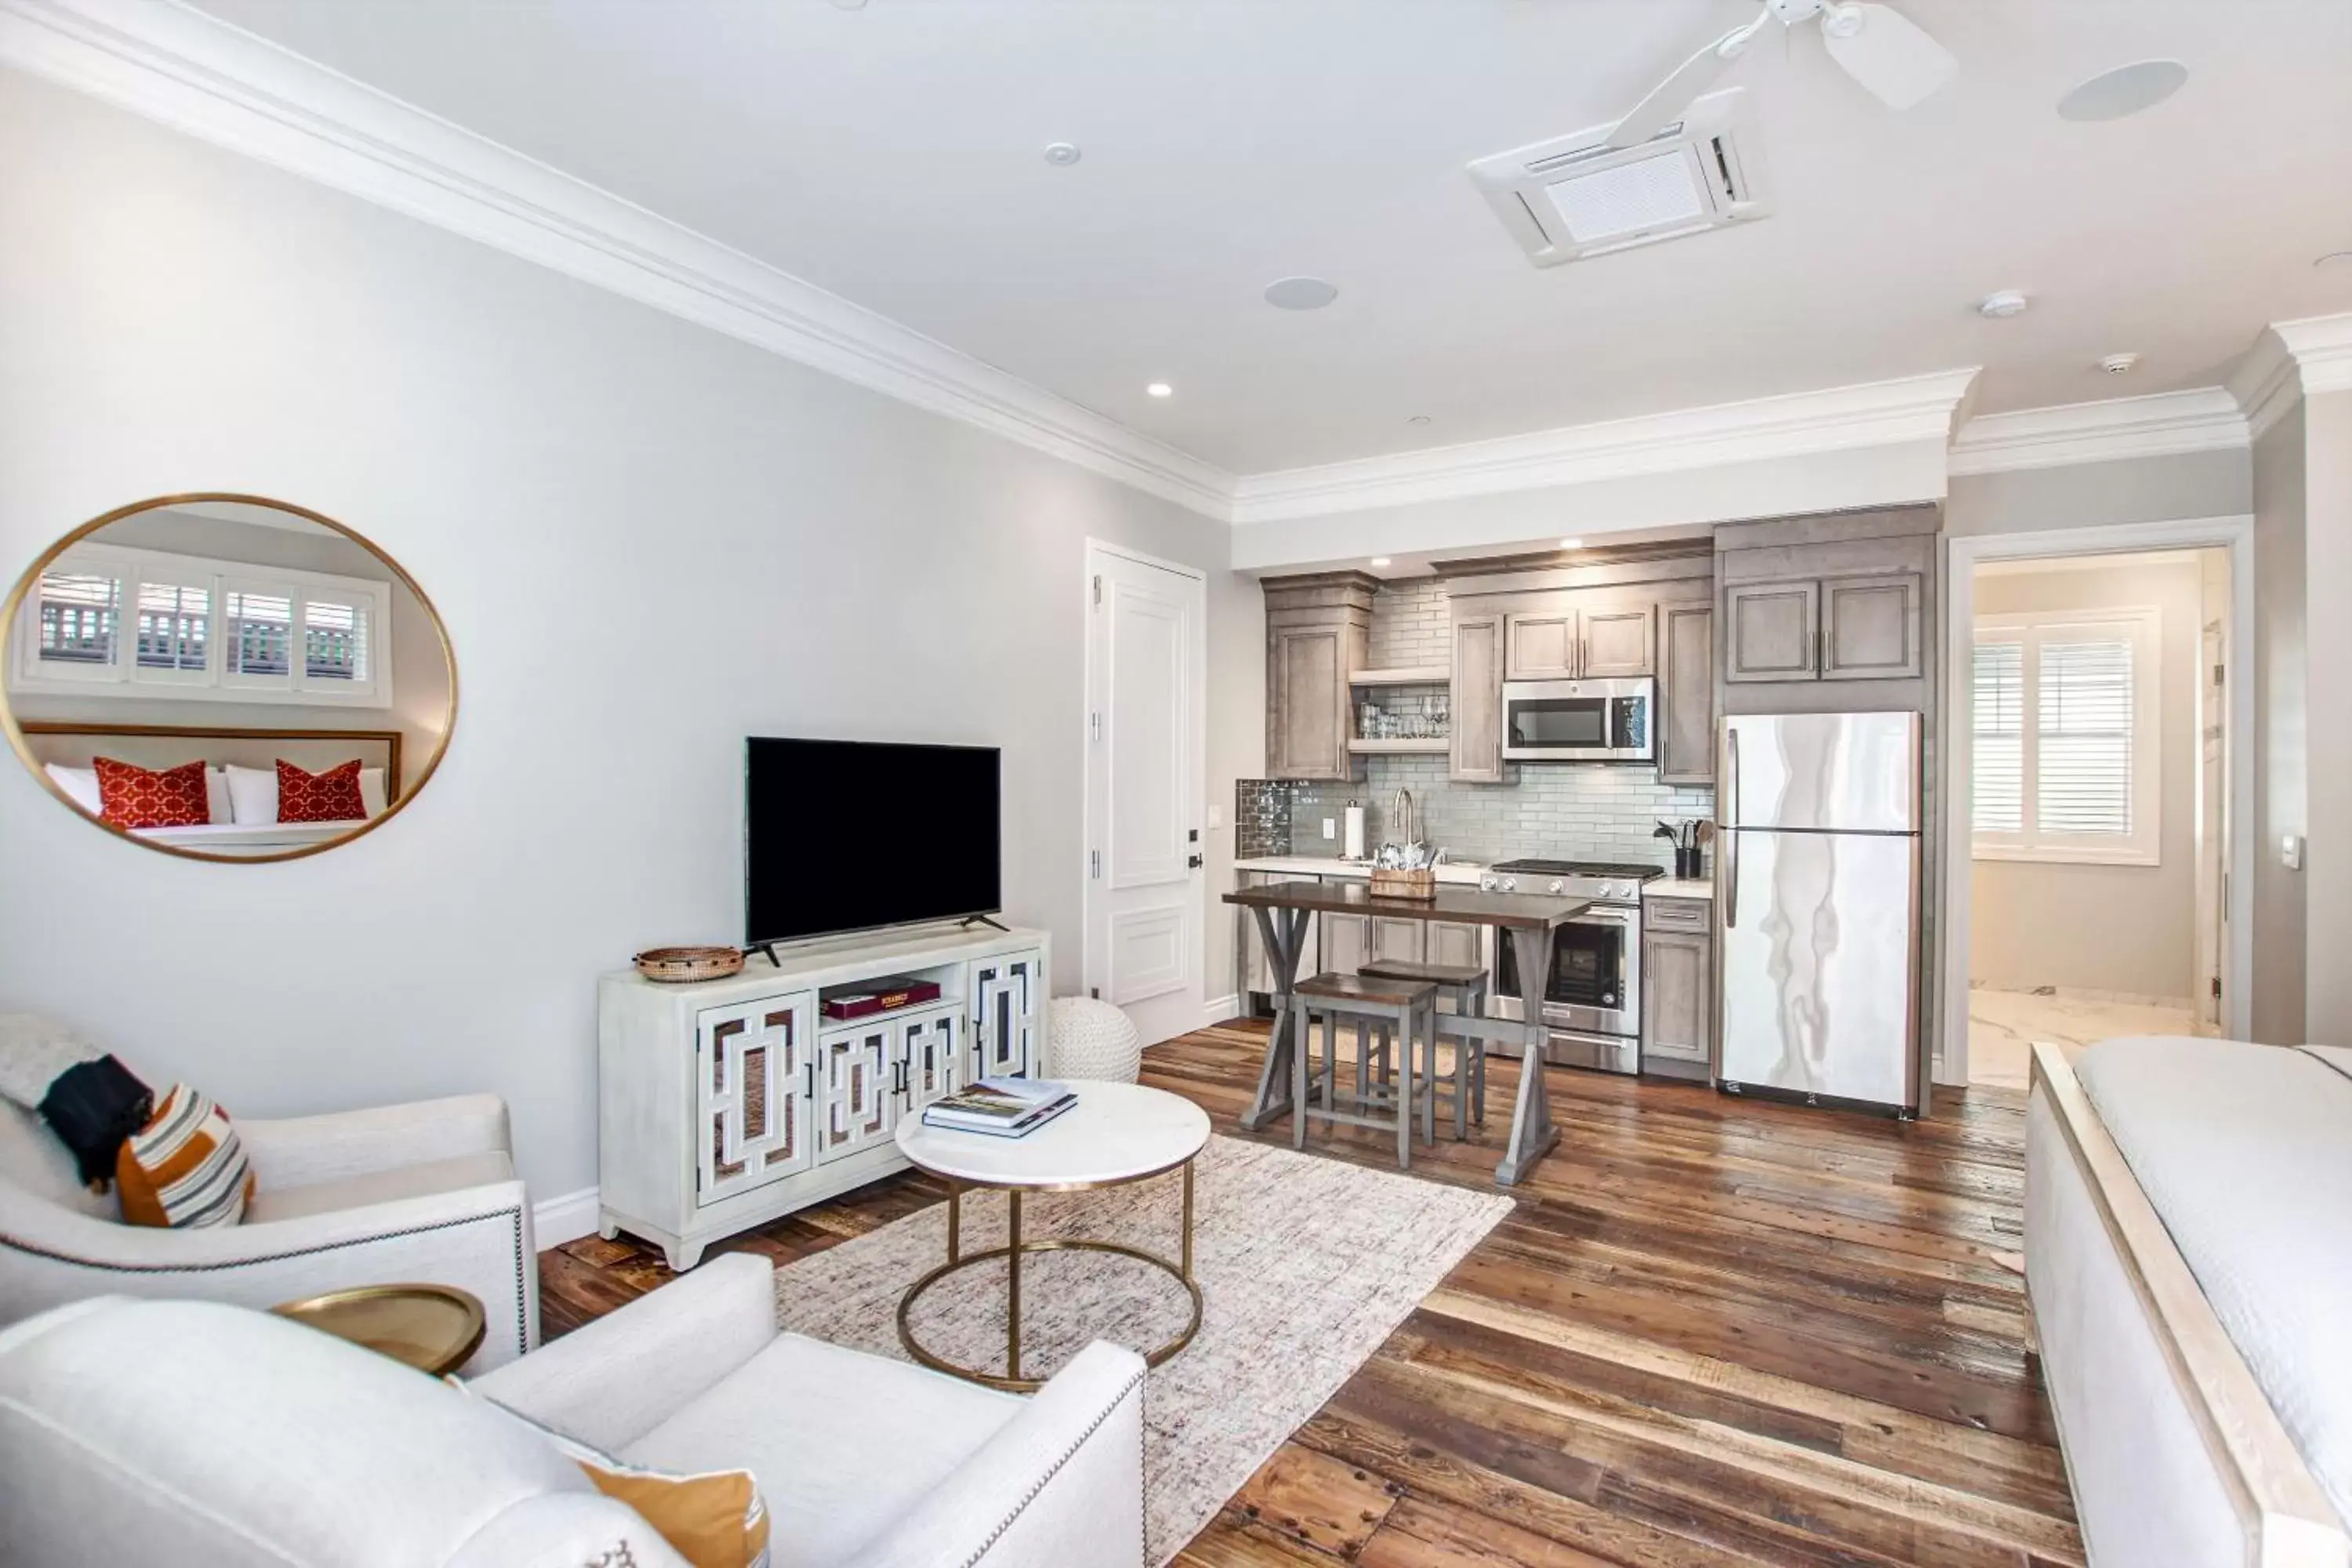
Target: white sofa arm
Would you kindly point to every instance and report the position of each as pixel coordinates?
(1062, 1483)
(303, 1150)
(616, 1379)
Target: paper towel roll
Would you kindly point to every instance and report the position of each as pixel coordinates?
(1355, 851)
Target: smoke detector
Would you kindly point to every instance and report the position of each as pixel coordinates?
(2118, 365)
(1576, 196)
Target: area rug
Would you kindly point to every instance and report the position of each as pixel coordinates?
(1305, 1265)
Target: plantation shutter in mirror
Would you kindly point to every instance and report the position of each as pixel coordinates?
(2083, 780)
(1998, 775)
(78, 612)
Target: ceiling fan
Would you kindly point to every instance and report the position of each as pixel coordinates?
(1879, 48)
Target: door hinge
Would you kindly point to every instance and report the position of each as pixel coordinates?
(2218, 671)
(1095, 992)
(1098, 590)
(1094, 726)
(1094, 865)
(2217, 988)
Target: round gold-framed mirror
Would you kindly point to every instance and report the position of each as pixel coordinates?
(225, 677)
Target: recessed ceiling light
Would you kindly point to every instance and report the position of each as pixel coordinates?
(1160, 389)
(2116, 364)
(2001, 305)
(1062, 154)
(1418, 419)
(1571, 545)
(2334, 259)
(1380, 561)
(2126, 90)
(1301, 293)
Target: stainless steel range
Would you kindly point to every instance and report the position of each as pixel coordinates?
(1592, 999)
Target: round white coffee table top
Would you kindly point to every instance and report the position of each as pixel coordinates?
(1115, 1133)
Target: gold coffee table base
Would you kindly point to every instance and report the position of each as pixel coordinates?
(1016, 1249)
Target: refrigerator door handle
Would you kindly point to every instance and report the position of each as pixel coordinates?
(1731, 833)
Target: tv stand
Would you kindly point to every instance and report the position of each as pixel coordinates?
(726, 1104)
(970, 921)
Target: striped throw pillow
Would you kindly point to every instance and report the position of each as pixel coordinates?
(185, 1167)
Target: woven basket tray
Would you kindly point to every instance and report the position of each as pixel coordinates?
(684, 965)
(1388, 884)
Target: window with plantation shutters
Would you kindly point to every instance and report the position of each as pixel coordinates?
(2065, 738)
(104, 620)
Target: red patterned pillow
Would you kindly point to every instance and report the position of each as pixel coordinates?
(330, 796)
(142, 797)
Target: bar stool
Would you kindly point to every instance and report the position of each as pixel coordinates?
(1408, 1007)
(1465, 986)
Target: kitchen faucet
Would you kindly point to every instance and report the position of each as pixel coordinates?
(1400, 818)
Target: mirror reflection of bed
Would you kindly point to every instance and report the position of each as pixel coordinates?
(228, 677)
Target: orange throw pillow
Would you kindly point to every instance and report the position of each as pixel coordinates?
(330, 796)
(142, 797)
(185, 1167)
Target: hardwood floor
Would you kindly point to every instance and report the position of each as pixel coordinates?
(1715, 1330)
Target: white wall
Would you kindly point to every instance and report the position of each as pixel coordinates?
(2126, 928)
(173, 318)
(2328, 562)
(2279, 770)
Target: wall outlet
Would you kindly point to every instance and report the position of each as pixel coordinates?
(1331, 827)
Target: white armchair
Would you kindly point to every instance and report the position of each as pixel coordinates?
(241, 1438)
(422, 1192)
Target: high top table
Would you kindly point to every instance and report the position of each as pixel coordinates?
(1282, 909)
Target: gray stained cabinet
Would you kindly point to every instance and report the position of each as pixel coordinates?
(1678, 993)
(1686, 694)
(1350, 941)
(1582, 643)
(1475, 753)
(1816, 628)
(1316, 629)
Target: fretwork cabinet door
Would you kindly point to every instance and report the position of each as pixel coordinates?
(933, 1049)
(752, 1071)
(1007, 998)
(858, 1084)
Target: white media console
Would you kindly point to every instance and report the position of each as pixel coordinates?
(724, 1104)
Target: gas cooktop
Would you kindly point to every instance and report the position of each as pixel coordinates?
(1614, 868)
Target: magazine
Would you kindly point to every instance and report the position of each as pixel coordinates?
(1007, 1107)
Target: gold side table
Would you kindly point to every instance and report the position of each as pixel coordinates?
(1117, 1134)
(435, 1329)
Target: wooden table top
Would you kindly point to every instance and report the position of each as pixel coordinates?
(1460, 906)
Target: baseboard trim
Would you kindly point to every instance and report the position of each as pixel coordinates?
(1220, 1009)
(554, 1221)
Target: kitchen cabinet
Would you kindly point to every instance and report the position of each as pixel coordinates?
(1581, 642)
(1346, 944)
(1678, 991)
(1686, 694)
(1396, 940)
(1446, 942)
(1317, 637)
(1476, 755)
(1825, 629)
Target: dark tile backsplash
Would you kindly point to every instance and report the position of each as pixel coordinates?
(1261, 818)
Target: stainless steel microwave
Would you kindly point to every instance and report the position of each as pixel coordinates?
(1579, 721)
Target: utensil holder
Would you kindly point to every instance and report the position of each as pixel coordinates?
(1689, 866)
(1389, 884)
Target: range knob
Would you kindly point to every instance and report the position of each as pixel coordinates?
(1510, 884)
(1487, 884)
(1556, 888)
(1621, 891)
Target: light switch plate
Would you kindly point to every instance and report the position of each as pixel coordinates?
(1216, 816)
(2290, 852)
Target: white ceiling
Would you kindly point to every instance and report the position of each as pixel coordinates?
(892, 155)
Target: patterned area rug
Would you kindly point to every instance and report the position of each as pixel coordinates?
(1305, 1265)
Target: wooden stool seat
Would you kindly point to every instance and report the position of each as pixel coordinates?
(1436, 974)
(1363, 988)
(1464, 985)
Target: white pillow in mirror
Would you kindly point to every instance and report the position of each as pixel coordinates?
(81, 786)
(253, 793)
(217, 806)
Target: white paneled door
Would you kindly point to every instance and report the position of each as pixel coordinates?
(1146, 674)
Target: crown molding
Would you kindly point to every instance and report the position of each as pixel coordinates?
(2202, 420)
(1841, 419)
(202, 77)
(2289, 360)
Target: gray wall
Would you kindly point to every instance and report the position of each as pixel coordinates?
(2124, 929)
(174, 317)
(2327, 572)
(2280, 798)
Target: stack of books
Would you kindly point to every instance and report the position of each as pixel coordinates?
(1001, 1106)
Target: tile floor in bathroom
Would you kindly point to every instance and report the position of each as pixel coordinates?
(2004, 1023)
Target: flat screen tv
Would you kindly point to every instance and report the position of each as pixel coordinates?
(842, 835)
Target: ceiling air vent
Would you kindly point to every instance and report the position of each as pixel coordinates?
(1573, 197)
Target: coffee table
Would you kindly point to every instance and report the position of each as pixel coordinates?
(1115, 1134)
(435, 1329)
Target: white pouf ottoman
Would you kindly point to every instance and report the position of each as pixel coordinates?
(1091, 1039)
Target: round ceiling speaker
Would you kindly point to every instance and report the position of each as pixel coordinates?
(2126, 90)
(1301, 293)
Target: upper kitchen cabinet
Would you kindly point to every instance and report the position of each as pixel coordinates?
(1686, 694)
(1318, 632)
(1837, 597)
(1475, 753)
(1574, 640)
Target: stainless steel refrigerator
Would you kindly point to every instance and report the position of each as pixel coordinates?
(1817, 891)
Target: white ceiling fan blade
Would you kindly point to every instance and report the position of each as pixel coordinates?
(1887, 53)
(1667, 102)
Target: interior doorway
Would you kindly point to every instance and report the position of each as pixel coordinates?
(2091, 780)
(1147, 678)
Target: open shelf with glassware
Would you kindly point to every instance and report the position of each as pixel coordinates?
(1404, 710)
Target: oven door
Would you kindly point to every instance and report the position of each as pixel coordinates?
(1596, 975)
(1578, 720)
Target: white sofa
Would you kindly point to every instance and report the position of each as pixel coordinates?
(209, 1436)
(419, 1192)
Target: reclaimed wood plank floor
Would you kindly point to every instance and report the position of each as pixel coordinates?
(1715, 1330)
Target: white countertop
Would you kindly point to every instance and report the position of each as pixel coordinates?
(1463, 873)
(1678, 888)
